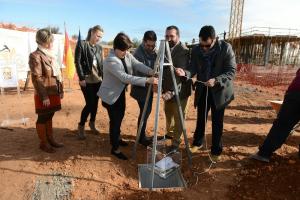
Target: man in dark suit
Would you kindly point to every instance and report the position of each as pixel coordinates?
(214, 63)
(180, 59)
(146, 54)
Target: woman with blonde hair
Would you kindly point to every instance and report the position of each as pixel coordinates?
(88, 62)
(48, 88)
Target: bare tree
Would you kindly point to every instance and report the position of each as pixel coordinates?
(136, 42)
(54, 29)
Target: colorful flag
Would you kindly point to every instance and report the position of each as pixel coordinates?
(68, 58)
(79, 39)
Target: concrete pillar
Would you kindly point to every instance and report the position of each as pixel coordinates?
(267, 52)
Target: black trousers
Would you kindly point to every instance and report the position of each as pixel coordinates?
(217, 117)
(91, 102)
(43, 118)
(116, 113)
(148, 111)
(287, 118)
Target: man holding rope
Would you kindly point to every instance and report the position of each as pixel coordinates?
(180, 59)
(214, 63)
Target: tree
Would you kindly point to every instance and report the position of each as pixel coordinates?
(75, 37)
(110, 42)
(54, 29)
(136, 42)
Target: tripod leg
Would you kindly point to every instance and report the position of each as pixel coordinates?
(156, 65)
(179, 107)
(161, 64)
(141, 122)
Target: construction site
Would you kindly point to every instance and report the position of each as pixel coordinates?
(267, 60)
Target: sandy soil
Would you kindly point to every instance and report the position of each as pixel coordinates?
(95, 174)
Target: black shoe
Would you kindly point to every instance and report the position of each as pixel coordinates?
(123, 143)
(256, 156)
(166, 137)
(172, 148)
(119, 155)
(145, 142)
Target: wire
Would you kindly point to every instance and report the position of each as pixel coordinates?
(205, 118)
(188, 78)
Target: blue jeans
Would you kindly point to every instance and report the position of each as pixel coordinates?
(91, 102)
(148, 111)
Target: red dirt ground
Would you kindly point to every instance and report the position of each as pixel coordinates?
(98, 175)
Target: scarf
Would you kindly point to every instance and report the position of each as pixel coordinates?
(55, 66)
(208, 61)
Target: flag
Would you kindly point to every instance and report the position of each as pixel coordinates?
(68, 58)
(79, 39)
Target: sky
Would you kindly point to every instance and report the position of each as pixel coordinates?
(134, 17)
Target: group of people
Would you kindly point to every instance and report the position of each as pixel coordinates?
(212, 62)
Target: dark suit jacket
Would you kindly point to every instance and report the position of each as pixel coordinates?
(180, 58)
(84, 59)
(223, 70)
(139, 92)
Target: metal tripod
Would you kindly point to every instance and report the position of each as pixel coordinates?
(164, 53)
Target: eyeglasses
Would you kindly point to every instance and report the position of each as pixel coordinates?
(205, 45)
(170, 36)
(150, 46)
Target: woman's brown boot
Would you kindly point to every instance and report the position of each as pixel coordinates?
(41, 131)
(50, 137)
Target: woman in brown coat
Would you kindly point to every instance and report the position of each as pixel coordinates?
(47, 82)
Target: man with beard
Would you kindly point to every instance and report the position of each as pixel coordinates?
(214, 63)
(146, 54)
(180, 58)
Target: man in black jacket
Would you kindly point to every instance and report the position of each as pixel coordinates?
(146, 54)
(214, 63)
(88, 62)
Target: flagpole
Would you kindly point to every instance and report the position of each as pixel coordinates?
(67, 48)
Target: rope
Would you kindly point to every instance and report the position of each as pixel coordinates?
(188, 78)
(205, 118)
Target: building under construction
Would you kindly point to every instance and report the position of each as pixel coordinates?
(262, 46)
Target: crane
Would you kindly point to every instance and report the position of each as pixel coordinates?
(236, 18)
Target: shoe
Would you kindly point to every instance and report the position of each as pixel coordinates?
(145, 142)
(50, 137)
(81, 132)
(172, 148)
(176, 142)
(119, 155)
(195, 149)
(168, 137)
(160, 137)
(215, 158)
(258, 157)
(93, 128)
(164, 137)
(41, 131)
(123, 143)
